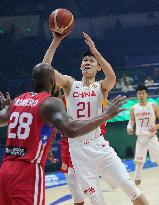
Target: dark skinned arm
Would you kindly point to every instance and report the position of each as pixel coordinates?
(54, 114)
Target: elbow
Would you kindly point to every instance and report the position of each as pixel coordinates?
(73, 133)
(113, 78)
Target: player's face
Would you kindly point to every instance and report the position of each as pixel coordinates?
(89, 66)
(142, 95)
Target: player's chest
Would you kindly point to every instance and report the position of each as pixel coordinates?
(142, 113)
(85, 95)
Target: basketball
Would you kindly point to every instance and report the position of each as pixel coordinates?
(61, 21)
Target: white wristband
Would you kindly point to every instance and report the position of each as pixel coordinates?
(130, 125)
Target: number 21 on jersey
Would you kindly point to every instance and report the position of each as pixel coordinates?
(84, 109)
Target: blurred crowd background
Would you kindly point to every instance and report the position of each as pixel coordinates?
(126, 32)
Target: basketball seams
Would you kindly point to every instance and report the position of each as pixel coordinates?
(61, 21)
(55, 20)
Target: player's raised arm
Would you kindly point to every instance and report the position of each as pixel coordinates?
(54, 114)
(62, 81)
(110, 79)
(131, 122)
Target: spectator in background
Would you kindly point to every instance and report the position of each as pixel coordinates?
(127, 78)
(126, 86)
(118, 84)
(149, 81)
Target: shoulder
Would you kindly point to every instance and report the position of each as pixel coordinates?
(69, 78)
(51, 105)
(52, 102)
(135, 105)
(22, 95)
(67, 87)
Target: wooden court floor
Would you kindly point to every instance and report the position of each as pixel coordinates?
(149, 186)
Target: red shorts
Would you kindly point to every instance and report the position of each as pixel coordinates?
(65, 155)
(21, 183)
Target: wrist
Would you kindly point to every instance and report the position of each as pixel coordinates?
(105, 116)
(96, 53)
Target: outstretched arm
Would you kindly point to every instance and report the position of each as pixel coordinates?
(63, 81)
(54, 114)
(110, 79)
(5, 105)
(4, 116)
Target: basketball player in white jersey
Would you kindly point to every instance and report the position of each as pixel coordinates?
(91, 154)
(143, 115)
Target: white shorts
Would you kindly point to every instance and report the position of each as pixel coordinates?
(98, 157)
(146, 144)
(74, 186)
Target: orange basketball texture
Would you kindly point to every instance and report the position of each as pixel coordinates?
(61, 21)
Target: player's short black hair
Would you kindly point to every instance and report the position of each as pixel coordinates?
(87, 53)
(141, 87)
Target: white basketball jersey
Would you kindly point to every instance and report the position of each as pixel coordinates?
(144, 118)
(84, 103)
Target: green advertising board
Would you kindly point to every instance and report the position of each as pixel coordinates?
(126, 114)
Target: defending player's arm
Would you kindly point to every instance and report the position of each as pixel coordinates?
(5, 101)
(131, 122)
(63, 81)
(5, 105)
(54, 114)
(110, 79)
(4, 116)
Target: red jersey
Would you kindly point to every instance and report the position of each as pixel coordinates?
(28, 138)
